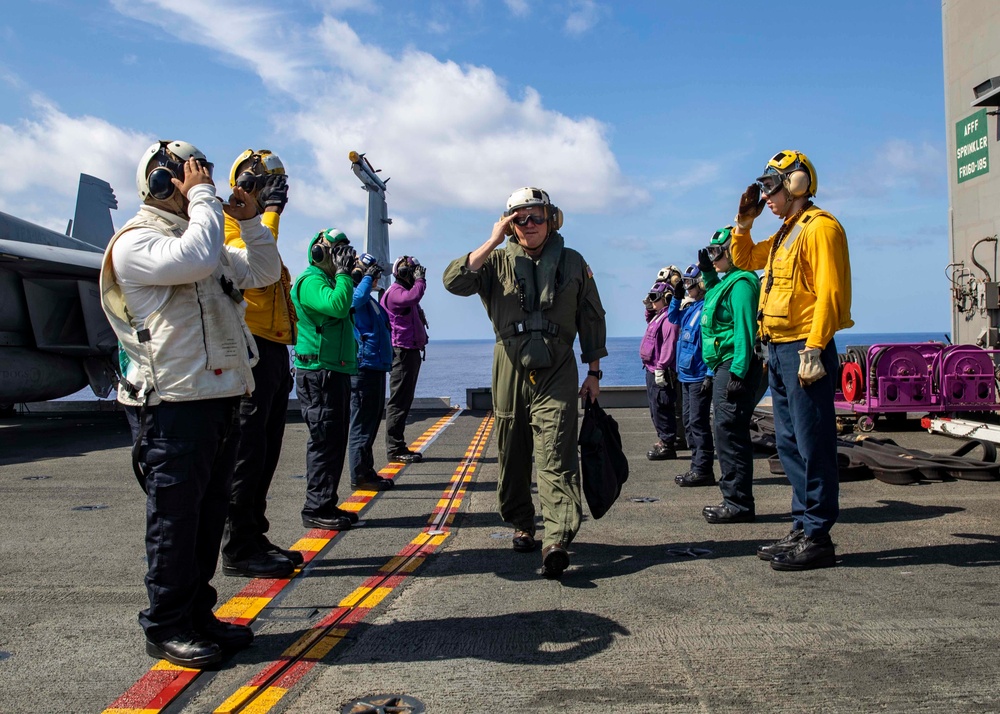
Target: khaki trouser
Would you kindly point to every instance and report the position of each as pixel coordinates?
(540, 417)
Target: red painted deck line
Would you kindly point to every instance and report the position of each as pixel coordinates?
(164, 682)
(268, 686)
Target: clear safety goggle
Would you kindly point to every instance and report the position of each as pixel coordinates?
(770, 182)
(716, 251)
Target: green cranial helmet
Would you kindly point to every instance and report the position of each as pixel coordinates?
(720, 242)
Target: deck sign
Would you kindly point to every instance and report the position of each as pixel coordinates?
(972, 150)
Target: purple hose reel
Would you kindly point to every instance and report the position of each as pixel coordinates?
(916, 377)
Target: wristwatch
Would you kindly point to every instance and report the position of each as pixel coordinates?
(595, 373)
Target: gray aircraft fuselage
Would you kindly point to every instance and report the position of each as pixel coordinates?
(54, 337)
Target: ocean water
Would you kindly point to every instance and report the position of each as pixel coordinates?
(452, 366)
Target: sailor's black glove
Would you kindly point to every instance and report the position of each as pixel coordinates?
(678, 289)
(735, 388)
(706, 386)
(375, 271)
(344, 258)
(704, 262)
(274, 194)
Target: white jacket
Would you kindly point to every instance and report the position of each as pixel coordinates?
(162, 288)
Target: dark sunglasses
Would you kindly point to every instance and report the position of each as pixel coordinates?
(523, 220)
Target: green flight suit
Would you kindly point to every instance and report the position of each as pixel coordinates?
(537, 308)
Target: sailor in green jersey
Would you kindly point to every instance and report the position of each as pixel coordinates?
(729, 327)
(538, 294)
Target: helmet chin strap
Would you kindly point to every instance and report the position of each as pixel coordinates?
(536, 251)
(176, 203)
(792, 204)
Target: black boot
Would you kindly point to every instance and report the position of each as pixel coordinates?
(809, 553)
(187, 649)
(767, 552)
(692, 478)
(724, 513)
(661, 452)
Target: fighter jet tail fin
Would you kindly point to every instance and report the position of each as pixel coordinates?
(94, 201)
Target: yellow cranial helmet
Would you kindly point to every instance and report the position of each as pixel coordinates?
(252, 164)
(789, 169)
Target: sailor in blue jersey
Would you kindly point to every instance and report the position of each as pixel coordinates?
(695, 378)
(372, 333)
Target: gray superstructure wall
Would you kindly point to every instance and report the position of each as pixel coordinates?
(971, 39)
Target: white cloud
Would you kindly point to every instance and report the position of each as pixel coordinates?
(52, 150)
(518, 8)
(903, 163)
(336, 7)
(583, 16)
(455, 133)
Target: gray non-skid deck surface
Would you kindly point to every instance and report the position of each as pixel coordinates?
(907, 621)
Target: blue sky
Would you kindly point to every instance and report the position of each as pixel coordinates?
(644, 121)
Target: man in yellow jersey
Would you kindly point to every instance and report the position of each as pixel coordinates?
(246, 551)
(805, 298)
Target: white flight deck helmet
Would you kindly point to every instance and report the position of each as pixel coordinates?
(169, 158)
(529, 196)
(669, 274)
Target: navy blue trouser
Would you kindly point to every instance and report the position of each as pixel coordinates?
(661, 409)
(324, 397)
(187, 454)
(402, 386)
(805, 427)
(262, 428)
(367, 408)
(698, 427)
(732, 435)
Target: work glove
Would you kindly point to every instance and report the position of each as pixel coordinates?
(660, 376)
(647, 302)
(751, 205)
(419, 272)
(704, 262)
(735, 387)
(344, 259)
(810, 367)
(274, 194)
(375, 271)
(706, 386)
(679, 290)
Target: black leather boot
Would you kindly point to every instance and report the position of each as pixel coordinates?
(724, 513)
(809, 553)
(767, 552)
(186, 649)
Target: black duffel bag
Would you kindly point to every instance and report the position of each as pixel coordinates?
(602, 459)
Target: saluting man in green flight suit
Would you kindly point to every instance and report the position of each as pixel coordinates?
(538, 294)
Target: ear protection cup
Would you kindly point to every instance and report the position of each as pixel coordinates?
(797, 183)
(317, 253)
(161, 186)
(555, 217)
